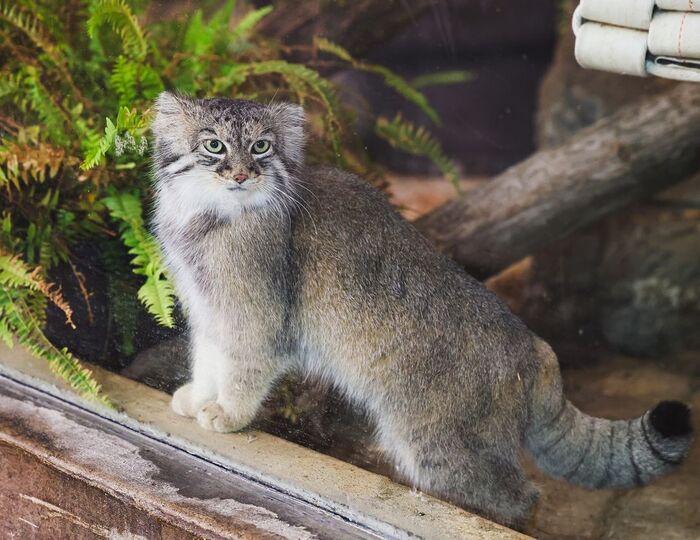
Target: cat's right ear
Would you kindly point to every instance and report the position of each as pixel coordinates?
(169, 103)
(170, 122)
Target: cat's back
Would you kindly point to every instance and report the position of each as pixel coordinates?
(341, 208)
(353, 233)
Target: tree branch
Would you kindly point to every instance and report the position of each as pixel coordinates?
(639, 150)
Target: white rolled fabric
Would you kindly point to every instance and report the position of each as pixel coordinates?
(675, 34)
(611, 48)
(627, 13)
(679, 69)
(679, 5)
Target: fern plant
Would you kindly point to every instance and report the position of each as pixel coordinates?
(77, 79)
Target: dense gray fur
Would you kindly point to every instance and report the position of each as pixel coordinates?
(322, 275)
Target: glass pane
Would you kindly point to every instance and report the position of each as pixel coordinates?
(574, 201)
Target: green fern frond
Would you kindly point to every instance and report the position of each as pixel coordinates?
(157, 293)
(130, 80)
(221, 17)
(96, 150)
(248, 23)
(402, 134)
(118, 16)
(25, 89)
(127, 134)
(332, 48)
(28, 24)
(19, 318)
(123, 80)
(200, 37)
(6, 334)
(14, 273)
(391, 79)
(41, 101)
(150, 83)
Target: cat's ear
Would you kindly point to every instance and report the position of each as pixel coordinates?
(170, 103)
(170, 122)
(289, 119)
(292, 115)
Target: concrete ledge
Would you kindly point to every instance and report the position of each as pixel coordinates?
(371, 503)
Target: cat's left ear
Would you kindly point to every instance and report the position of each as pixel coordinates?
(289, 120)
(292, 114)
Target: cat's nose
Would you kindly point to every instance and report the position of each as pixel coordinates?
(240, 178)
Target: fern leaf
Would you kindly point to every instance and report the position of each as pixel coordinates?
(126, 135)
(97, 150)
(14, 273)
(157, 293)
(21, 316)
(391, 79)
(25, 90)
(123, 80)
(402, 134)
(6, 333)
(334, 49)
(219, 20)
(118, 15)
(248, 23)
(200, 37)
(26, 164)
(150, 83)
(30, 25)
(131, 79)
(197, 38)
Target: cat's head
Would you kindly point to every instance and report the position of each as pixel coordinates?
(222, 156)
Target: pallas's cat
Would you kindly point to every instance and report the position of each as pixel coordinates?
(284, 267)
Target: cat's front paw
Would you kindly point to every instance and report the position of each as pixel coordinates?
(213, 417)
(181, 402)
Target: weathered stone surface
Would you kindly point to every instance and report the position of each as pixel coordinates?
(632, 281)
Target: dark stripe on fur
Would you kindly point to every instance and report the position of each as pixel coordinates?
(556, 419)
(169, 160)
(637, 473)
(584, 455)
(608, 467)
(561, 437)
(208, 162)
(184, 169)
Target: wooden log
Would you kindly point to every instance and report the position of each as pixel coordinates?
(639, 150)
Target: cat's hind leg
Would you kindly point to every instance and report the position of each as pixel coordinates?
(462, 468)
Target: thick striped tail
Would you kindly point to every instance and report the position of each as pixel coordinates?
(597, 453)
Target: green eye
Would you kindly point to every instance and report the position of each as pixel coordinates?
(260, 147)
(215, 146)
